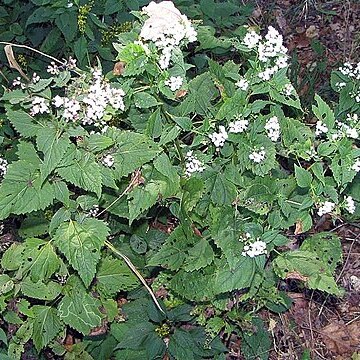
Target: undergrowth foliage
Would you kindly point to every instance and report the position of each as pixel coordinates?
(98, 166)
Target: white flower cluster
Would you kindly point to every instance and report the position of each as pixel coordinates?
(271, 51)
(356, 165)
(174, 82)
(39, 106)
(251, 39)
(257, 156)
(288, 90)
(238, 126)
(320, 128)
(71, 107)
(99, 96)
(35, 78)
(325, 208)
(349, 130)
(242, 84)
(55, 69)
(350, 204)
(3, 166)
(108, 160)
(272, 128)
(355, 95)
(166, 27)
(255, 249)
(219, 138)
(193, 164)
(351, 70)
(94, 211)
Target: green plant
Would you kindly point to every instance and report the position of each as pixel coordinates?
(98, 166)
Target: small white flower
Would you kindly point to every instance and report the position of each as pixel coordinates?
(288, 89)
(258, 156)
(174, 82)
(251, 39)
(325, 208)
(35, 78)
(218, 139)
(108, 160)
(3, 166)
(39, 106)
(356, 166)
(193, 164)
(272, 128)
(320, 128)
(350, 204)
(255, 249)
(242, 84)
(17, 81)
(93, 212)
(53, 69)
(58, 101)
(238, 126)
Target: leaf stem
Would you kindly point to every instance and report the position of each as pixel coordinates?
(136, 272)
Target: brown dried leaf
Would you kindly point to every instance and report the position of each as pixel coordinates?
(12, 61)
(342, 339)
(119, 68)
(296, 276)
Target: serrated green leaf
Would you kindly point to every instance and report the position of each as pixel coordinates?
(81, 170)
(144, 100)
(39, 259)
(23, 122)
(6, 284)
(22, 190)
(223, 192)
(114, 276)
(80, 311)
(201, 92)
(46, 325)
(53, 144)
(326, 246)
(98, 142)
(134, 150)
(303, 177)
(315, 273)
(200, 255)
(40, 290)
(323, 112)
(81, 244)
(34, 225)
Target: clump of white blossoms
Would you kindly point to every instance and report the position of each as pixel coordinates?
(238, 126)
(108, 160)
(94, 211)
(272, 128)
(257, 156)
(3, 166)
(255, 249)
(100, 95)
(71, 107)
(350, 204)
(288, 90)
(55, 69)
(251, 39)
(271, 51)
(174, 82)
(242, 84)
(166, 27)
(356, 165)
(325, 208)
(320, 128)
(39, 106)
(219, 138)
(351, 70)
(193, 164)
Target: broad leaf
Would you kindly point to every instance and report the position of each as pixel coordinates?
(46, 325)
(81, 244)
(22, 190)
